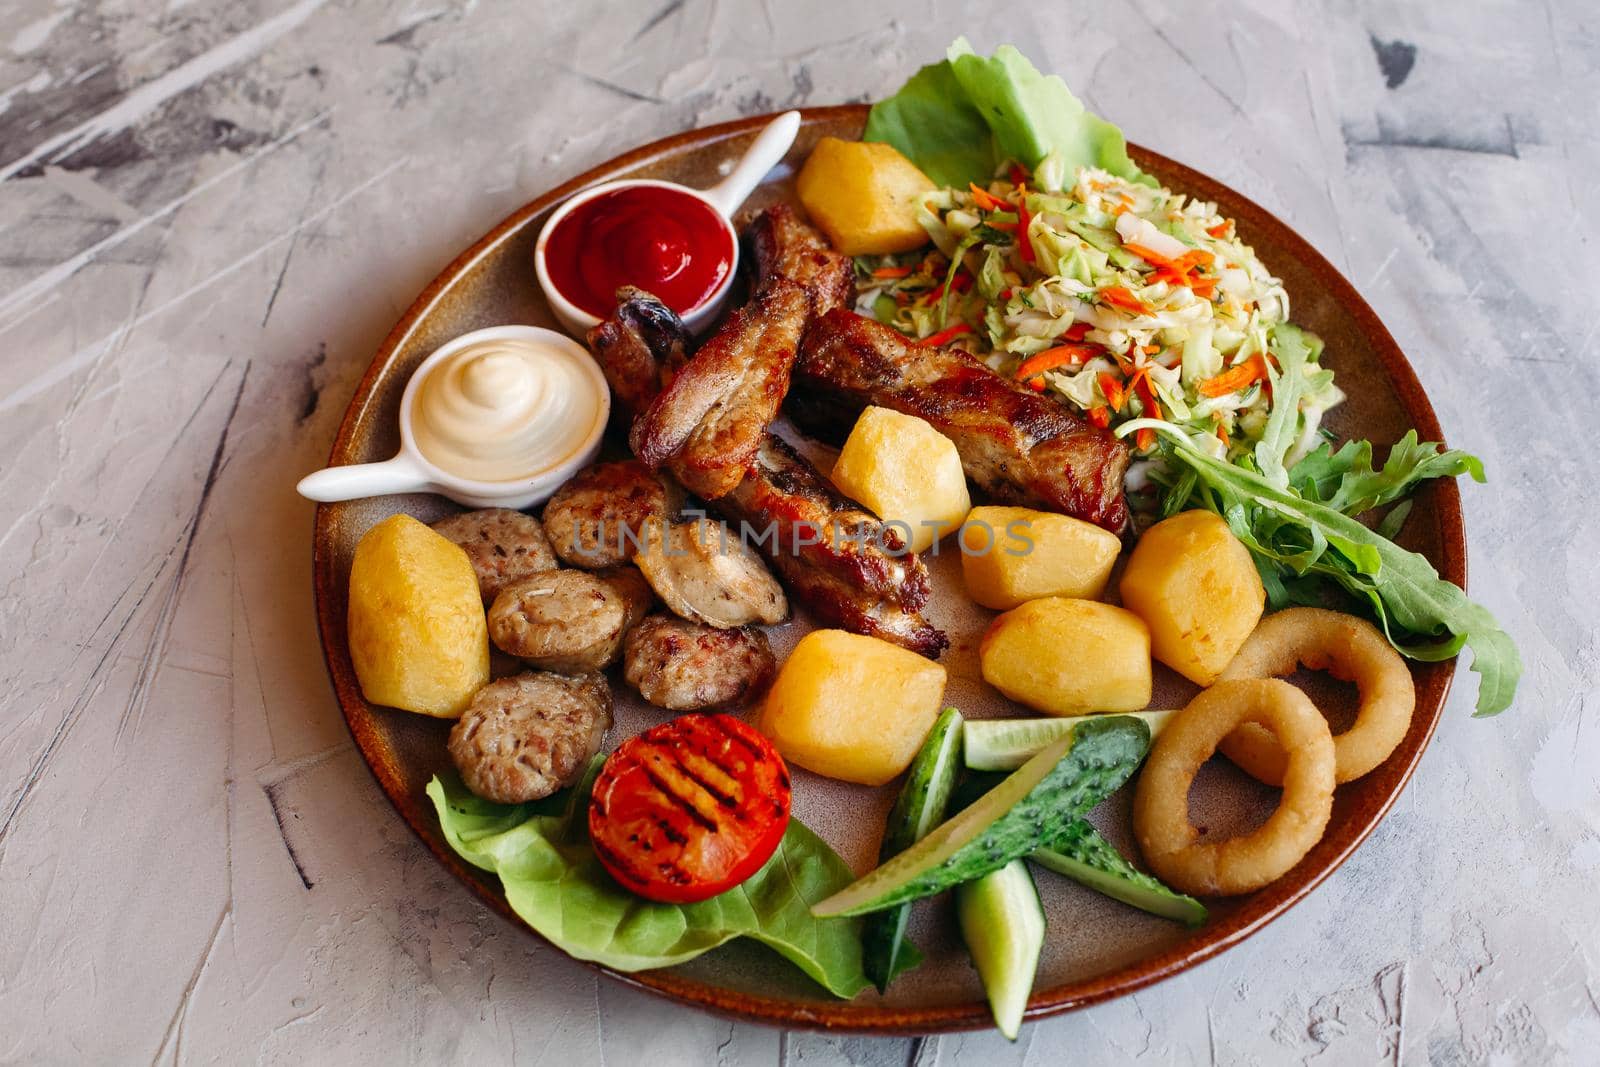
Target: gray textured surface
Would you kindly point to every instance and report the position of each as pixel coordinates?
(210, 216)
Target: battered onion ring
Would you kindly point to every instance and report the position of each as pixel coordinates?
(1351, 650)
(1161, 801)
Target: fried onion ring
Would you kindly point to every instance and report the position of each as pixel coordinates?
(1351, 650)
(1161, 801)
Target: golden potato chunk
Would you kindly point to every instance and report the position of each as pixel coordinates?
(1068, 657)
(1012, 555)
(1195, 586)
(864, 196)
(904, 471)
(417, 631)
(852, 707)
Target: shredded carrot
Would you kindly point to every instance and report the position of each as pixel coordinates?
(1145, 438)
(1149, 255)
(1236, 378)
(1150, 350)
(985, 199)
(1099, 416)
(1222, 428)
(1220, 229)
(1177, 271)
(1036, 384)
(961, 283)
(1146, 394)
(1024, 245)
(1003, 227)
(1118, 297)
(946, 335)
(1051, 358)
(1116, 394)
(893, 272)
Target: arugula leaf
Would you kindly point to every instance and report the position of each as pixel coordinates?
(553, 880)
(959, 120)
(1346, 481)
(1424, 616)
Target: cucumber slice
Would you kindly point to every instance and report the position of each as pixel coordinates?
(1029, 809)
(1088, 858)
(1006, 744)
(920, 807)
(1002, 922)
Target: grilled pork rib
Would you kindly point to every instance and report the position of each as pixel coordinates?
(706, 425)
(840, 561)
(786, 247)
(1019, 447)
(836, 558)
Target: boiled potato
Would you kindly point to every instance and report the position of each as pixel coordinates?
(417, 632)
(1013, 555)
(904, 470)
(852, 707)
(1068, 657)
(864, 196)
(1194, 585)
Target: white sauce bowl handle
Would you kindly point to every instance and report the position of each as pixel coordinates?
(767, 150)
(397, 475)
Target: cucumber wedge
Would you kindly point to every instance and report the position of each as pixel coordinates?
(885, 952)
(1006, 744)
(1028, 810)
(1002, 922)
(1088, 858)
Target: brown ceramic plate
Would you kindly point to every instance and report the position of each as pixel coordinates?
(1097, 949)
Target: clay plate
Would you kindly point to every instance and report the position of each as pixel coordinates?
(1097, 949)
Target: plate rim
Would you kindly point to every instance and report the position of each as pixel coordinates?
(847, 1016)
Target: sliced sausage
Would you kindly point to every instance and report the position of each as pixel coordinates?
(686, 666)
(568, 621)
(703, 572)
(503, 545)
(597, 519)
(524, 737)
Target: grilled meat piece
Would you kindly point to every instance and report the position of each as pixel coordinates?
(1018, 446)
(707, 576)
(686, 666)
(639, 347)
(839, 561)
(786, 247)
(706, 425)
(854, 580)
(596, 519)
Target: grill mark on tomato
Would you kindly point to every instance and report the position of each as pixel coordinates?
(718, 795)
(756, 755)
(676, 800)
(618, 864)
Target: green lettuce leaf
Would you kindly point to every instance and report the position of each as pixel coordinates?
(933, 124)
(959, 120)
(554, 882)
(1424, 616)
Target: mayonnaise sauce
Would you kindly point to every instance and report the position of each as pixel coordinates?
(505, 410)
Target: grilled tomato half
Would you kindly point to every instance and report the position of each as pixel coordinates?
(689, 808)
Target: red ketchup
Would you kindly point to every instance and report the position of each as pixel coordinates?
(665, 241)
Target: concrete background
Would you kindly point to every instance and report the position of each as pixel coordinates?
(211, 213)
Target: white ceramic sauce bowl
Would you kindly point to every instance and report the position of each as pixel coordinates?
(724, 198)
(411, 472)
